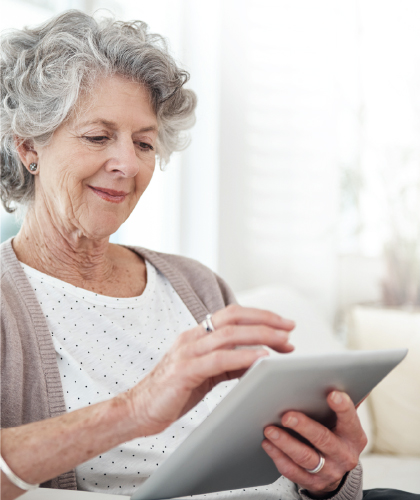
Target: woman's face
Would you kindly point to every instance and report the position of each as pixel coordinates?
(98, 164)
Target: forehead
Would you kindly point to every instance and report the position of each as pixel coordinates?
(115, 100)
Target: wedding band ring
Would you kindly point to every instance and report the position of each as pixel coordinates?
(318, 467)
(208, 324)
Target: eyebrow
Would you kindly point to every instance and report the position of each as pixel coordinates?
(107, 123)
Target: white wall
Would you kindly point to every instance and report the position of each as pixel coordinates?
(279, 177)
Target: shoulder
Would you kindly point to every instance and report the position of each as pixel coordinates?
(13, 278)
(183, 272)
(185, 265)
(7, 255)
(10, 270)
(190, 269)
(18, 300)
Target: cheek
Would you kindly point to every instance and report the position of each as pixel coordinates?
(63, 180)
(69, 180)
(144, 176)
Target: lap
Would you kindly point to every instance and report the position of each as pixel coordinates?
(386, 494)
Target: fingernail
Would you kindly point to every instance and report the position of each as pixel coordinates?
(288, 323)
(261, 352)
(282, 334)
(267, 446)
(337, 397)
(291, 422)
(273, 434)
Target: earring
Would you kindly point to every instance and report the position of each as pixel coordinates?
(33, 167)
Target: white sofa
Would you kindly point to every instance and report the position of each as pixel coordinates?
(385, 466)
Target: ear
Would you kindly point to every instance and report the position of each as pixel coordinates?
(27, 153)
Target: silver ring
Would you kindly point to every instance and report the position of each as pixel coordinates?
(319, 466)
(207, 324)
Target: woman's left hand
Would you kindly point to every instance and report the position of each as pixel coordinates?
(340, 446)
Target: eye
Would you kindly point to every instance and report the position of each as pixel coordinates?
(100, 139)
(145, 147)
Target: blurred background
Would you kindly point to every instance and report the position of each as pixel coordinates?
(304, 165)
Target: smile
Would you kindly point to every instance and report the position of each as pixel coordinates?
(109, 194)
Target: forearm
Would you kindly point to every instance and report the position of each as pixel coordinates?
(43, 450)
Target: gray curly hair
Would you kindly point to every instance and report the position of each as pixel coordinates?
(45, 69)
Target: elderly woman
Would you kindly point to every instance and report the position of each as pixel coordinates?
(105, 362)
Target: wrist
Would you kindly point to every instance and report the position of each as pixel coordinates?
(138, 419)
(125, 419)
(14, 479)
(325, 495)
(149, 410)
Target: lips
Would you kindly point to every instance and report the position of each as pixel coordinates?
(109, 194)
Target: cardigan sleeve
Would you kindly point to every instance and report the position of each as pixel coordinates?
(351, 489)
(227, 293)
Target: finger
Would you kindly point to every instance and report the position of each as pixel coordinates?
(318, 435)
(325, 480)
(348, 424)
(228, 376)
(347, 439)
(232, 336)
(237, 315)
(284, 464)
(198, 369)
(301, 454)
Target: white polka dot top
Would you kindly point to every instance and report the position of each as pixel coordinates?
(106, 345)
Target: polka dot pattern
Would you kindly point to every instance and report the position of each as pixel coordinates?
(104, 346)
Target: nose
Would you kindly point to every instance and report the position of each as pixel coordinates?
(124, 159)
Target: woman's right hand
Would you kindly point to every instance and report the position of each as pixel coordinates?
(199, 360)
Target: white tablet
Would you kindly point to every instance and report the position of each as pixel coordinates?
(224, 452)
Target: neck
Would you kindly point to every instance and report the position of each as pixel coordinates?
(62, 252)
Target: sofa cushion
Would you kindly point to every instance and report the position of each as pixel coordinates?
(389, 471)
(395, 402)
